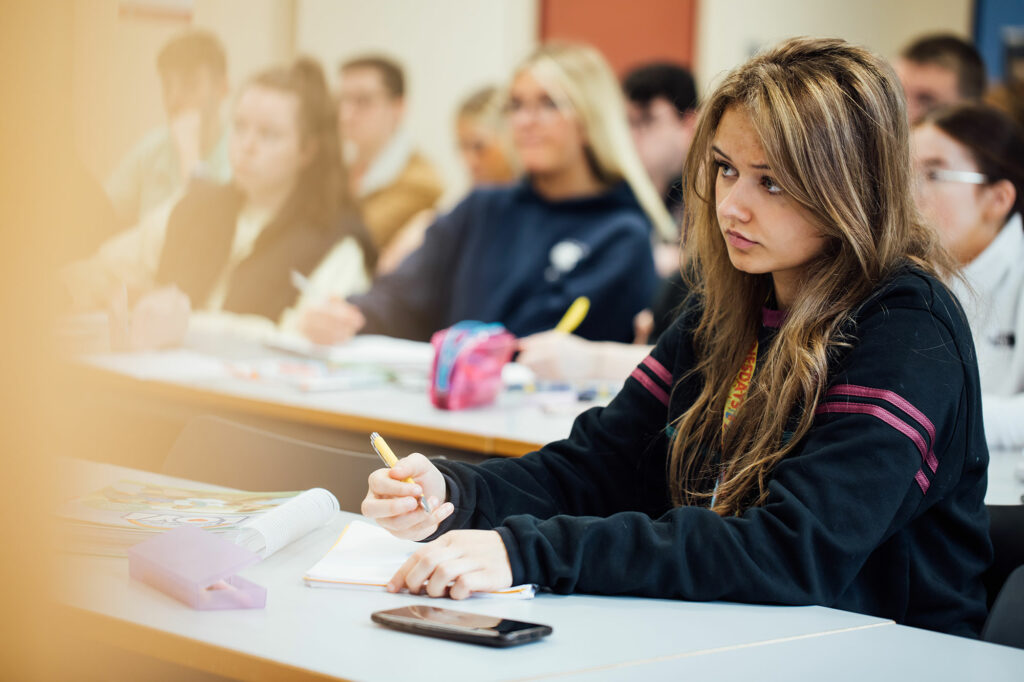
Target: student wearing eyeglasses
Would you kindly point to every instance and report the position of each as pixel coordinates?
(970, 166)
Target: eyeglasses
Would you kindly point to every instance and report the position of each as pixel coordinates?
(933, 175)
(544, 108)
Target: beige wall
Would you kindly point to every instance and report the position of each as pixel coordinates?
(448, 48)
(729, 31)
(116, 91)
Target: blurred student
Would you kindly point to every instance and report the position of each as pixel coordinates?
(284, 231)
(391, 181)
(970, 165)
(193, 75)
(661, 101)
(482, 135)
(486, 154)
(808, 432)
(578, 224)
(939, 70)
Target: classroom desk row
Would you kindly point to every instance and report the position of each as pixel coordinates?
(319, 634)
(161, 391)
(164, 389)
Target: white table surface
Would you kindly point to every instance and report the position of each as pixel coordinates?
(515, 416)
(329, 631)
(877, 654)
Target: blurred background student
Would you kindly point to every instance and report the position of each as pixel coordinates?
(578, 224)
(390, 179)
(194, 81)
(970, 165)
(486, 154)
(283, 232)
(661, 101)
(938, 70)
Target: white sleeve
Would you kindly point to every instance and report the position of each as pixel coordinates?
(340, 274)
(1004, 420)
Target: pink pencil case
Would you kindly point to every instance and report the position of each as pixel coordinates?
(468, 358)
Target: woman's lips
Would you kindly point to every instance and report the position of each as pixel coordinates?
(738, 241)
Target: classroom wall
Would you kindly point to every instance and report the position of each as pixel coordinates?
(730, 32)
(448, 48)
(628, 32)
(115, 87)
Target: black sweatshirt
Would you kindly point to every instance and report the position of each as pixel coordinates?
(879, 510)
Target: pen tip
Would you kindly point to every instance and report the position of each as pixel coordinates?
(374, 436)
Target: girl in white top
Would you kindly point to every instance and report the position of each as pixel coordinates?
(970, 164)
(283, 233)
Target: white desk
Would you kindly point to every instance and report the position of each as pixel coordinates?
(312, 633)
(879, 654)
(329, 632)
(513, 426)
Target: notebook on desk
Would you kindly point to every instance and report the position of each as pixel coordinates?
(366, 556)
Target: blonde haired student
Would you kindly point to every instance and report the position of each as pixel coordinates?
(808, 432)
(578, 224)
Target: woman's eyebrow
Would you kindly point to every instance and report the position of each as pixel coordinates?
(718, 151)
(756, 166)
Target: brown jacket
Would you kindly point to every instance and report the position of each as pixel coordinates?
(388, 209)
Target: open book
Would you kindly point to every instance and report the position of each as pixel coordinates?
(366, 556)
(109, 521)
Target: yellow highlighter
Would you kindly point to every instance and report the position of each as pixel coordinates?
(389, 459)
(574, 316)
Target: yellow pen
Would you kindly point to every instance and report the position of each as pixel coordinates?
(574, 315)
(389, 459)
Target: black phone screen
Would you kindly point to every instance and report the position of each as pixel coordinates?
(461, 625)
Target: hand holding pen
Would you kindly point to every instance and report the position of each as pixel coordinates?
(394, 496)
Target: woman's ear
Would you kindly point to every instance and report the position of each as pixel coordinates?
(1001, 197)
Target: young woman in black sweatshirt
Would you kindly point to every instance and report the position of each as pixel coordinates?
(808, 432)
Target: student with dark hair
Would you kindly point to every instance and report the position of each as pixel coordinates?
(391, 181)
(285, 216)
(970, 166)
(194, 80)
(661, 100)
(808, 432)
(938, 70)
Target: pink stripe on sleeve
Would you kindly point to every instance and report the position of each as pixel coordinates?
(887, 417)
(900, 402)
(658, 369)
(648, 383)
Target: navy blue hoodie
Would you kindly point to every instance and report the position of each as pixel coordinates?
(879, 510)
(506, 254)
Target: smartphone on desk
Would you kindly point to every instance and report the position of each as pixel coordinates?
(461, 626)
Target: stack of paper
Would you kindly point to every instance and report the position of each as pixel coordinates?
(366, 556)
(109, 521)
(378, 351)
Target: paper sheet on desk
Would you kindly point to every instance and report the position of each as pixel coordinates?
(179, 364)
(382, 351)
(366, 555)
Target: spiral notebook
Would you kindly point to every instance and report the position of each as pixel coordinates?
(366, 556)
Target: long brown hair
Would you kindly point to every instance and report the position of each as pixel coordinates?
(321, 194)
(833, 125)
